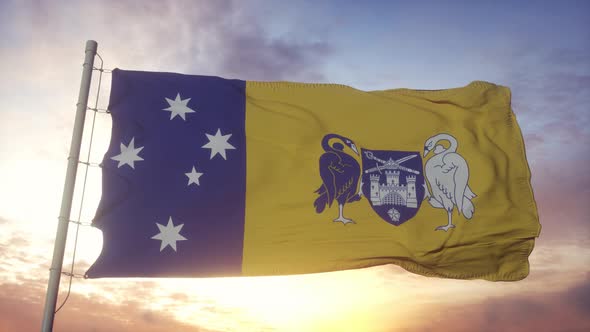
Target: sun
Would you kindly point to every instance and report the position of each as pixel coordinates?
(339, 301)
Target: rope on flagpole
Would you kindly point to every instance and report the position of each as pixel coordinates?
(102, 70)
(99, 110)
(88, 164)
(81, 223)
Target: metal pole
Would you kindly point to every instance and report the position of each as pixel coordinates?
(68, 193)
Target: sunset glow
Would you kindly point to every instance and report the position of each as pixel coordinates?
(540, 50)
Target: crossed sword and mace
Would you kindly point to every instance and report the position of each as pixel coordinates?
(390, 164)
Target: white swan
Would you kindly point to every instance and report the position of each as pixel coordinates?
(447, 174)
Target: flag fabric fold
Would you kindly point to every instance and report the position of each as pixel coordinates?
(208, 177)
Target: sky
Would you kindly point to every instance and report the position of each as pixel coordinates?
(540, 49)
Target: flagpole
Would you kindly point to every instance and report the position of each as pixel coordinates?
(68, 192)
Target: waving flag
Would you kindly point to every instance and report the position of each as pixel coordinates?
(208, 177)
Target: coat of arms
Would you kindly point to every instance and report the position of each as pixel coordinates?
(392, 181)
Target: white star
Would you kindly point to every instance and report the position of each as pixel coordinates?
(169, 234)
(218, 144)
(128, 155)
(178, 107)
(193, 177)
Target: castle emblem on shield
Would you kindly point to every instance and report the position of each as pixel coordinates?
(392, 181)
(389, 181)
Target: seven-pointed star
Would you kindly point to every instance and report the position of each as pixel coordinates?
(128, 155)
(218, 144)
(178, 107)
(169, 234)
(193, 177)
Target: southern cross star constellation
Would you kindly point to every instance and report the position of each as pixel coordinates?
(217, 143)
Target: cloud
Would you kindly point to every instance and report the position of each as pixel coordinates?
(551, 93)
(551, 97)
(579, 296)
(229, 303)
(550, 311)
(21, 310)
(252, 57)
(569, 57)
(18, 241)
(224, 38)
(562, 188)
